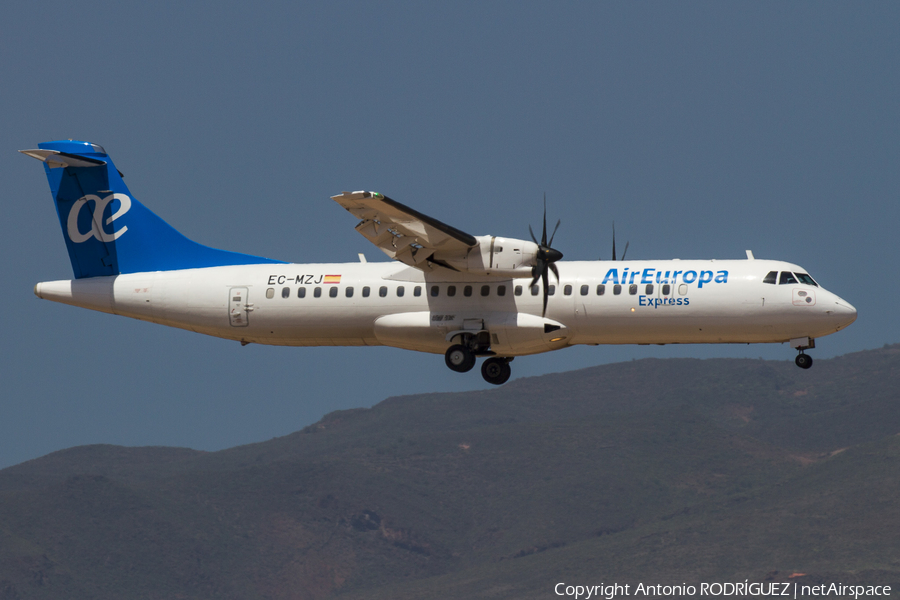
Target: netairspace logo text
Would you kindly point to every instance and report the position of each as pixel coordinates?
(741, 588)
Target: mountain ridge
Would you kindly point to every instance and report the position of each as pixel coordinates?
(670, 464)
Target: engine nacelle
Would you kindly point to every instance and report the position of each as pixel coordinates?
(497, 256)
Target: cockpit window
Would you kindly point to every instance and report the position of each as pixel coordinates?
(772, 277)
(787, 277)
(805, 278)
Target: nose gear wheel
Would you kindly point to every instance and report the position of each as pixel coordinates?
(804, 361)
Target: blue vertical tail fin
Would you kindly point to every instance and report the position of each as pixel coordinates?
(107, 231)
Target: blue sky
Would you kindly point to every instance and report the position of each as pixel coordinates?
(702, 129)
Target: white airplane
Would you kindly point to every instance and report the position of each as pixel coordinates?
(445, 292)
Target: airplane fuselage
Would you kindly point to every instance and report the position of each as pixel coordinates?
(369, 304)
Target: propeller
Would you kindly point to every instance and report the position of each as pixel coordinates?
(614, 244)
(545, 257)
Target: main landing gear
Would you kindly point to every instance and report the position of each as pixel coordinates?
(804, 361)
(496, 370)
(461, 358)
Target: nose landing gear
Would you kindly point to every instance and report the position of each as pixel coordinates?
(804, 361)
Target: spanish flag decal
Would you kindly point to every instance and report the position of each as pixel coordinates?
(332, 279)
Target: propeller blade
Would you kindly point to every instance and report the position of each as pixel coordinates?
(545, 257)
(546, 291)
(553, 235)
(544, 233)
(536, 272)
(555, 270)
(624, 251)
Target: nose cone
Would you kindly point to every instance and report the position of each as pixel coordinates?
(843, 311)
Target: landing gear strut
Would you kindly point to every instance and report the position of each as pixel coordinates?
(496, 370)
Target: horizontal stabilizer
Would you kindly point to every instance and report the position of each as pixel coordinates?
(57, 160)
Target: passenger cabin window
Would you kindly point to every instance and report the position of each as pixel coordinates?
(771, 277)
(535, 290)
(601, 289)
(787, 277)
(805, 278)
(683, 289)
(585, 289)
(349, 292)
(567, 290)
(451, 290)
(435, 290)
(467, 291)
(617, 289)
(518, 290)
(501, 290)
(485, 290)
(317, 292)
(332, 292)
(400, 291)
(649, 289)
(285, 292)
(270, 293)
(366, 291)
(301, 292)
(382, 291)
(417, 291)
(551, 289)
(632, 289)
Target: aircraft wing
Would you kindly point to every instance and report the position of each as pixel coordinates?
(402, 233)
